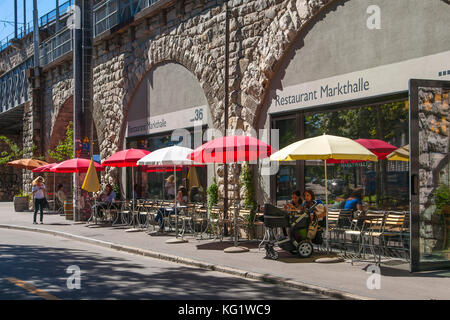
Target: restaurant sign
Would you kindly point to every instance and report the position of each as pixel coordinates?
(186, 118)
(382, 80)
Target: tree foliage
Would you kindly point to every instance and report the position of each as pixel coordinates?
(213, 194)
(15, 152)
(64, 149)
(247, 183)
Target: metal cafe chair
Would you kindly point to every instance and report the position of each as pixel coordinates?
(200, 221)
(217, 222)
(395, 235)
(246, 220)
(339, 221)
(120, 210)
(370, 230)
(150, 206)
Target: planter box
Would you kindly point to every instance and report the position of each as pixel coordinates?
(21, 204)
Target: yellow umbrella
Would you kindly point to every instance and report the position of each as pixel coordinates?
(324, 148)
(401, 154)
(91, 183)
(193, 178)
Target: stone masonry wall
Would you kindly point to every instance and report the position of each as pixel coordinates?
(260, 33)
(12, 57)
(433, 158)
(10, 177)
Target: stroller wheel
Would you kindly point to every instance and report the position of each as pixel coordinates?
(273, 254)
(305, 249)
(270, 252)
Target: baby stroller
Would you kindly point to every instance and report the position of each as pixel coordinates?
(303, 232)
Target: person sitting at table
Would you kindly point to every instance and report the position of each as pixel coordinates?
(354, 202)
(296, 202)
(182, 196)
(310, 200)
(106, 199)
(195, 195)
(170, 187)
(294, 205)
(182, 199)
(60, 196)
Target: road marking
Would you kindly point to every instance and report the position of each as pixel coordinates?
(32, 289)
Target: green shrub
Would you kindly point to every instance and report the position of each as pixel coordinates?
(213, 194)
(21, 194)
(442, 197)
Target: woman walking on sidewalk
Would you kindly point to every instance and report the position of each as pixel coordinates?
(39, 198)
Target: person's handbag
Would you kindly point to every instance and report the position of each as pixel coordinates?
(45, 204)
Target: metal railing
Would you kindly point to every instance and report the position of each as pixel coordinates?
(21, 32)
(56, 46)
(44, 21)
(49, 17)
(14, 86)
(110, 13)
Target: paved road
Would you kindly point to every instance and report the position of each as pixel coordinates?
(33, 266)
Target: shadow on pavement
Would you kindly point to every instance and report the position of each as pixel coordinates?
(225, 244)
(105, 277)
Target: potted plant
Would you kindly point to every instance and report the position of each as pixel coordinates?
(21, 202)
(212, 193)
(249, 200)
(442, 201)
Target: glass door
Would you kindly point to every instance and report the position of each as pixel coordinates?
(429, 174)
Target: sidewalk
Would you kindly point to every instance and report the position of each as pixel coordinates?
(336, 279)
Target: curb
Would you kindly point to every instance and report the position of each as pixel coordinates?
(337, 294)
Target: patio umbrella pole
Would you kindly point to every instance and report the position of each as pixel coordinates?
(326, 206)
(132, 191)
(175, 202)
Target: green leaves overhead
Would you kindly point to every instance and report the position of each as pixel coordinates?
(64, 149)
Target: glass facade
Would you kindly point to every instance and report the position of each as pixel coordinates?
(150, 181)
(385, 184)
(286, 178)
(434, 179)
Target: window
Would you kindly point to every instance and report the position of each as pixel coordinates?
(384, 183)
(150, 185)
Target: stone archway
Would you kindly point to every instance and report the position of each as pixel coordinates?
(59, 125)
(178, 100)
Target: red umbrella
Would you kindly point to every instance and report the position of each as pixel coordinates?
(380, 148)
(45, 168)
(125, 158)
(77, 165)
(231, 149)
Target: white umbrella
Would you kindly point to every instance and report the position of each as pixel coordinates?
(175, 156)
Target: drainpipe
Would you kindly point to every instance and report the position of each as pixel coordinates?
(15, 19)
(57, 17)
(24, 17)
(227, 67)
(37, 80)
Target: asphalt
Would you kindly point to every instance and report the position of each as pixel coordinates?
(34, 266)
(337, 280)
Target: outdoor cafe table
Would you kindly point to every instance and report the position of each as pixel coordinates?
(171, 210)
